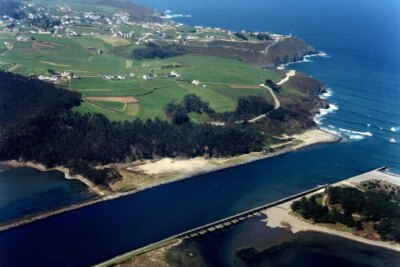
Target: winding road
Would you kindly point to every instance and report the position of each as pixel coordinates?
(289, 74)
(276, 100)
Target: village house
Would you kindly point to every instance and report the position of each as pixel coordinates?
(23, 39)
(196, 82)
(146, 77)
(174, 74)
(65, 75)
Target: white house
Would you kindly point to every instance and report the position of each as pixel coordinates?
(108, 77)
(146, 77)
(65, 74)
(196, 82)
(174, 74)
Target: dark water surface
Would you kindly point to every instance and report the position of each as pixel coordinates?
(277, 247)
(361, 39)
(26, 191)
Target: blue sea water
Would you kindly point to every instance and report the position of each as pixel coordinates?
(362, 69)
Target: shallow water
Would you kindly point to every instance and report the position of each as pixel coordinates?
(279, 247)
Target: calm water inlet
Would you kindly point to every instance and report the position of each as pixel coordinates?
(26, 191)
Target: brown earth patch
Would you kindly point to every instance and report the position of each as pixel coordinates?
(43, 45)
(55, 64)
(123, 99)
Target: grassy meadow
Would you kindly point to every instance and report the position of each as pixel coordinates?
(221, 78)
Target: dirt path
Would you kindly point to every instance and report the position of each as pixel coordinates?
(145, 36)
(269, 46)
(277, 103)
(257, 118)
(16, 66)
(55, 64)
(288, 75)
(8, 50)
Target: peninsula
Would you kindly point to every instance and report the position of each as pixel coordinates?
(110, 93)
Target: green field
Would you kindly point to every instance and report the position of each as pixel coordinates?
(222, 78)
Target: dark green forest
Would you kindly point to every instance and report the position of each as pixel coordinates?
(36, 124)
(379, 208)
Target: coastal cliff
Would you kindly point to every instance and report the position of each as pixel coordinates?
(261, 54)
(289, 50)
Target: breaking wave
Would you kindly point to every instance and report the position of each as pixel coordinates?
(168, 15)
(327, 94)
(325, 111)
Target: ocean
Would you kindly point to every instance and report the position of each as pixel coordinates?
(362, 71)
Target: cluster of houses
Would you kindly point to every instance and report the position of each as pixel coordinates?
(198, 83)
(24, 39)
(65, 75)
(146, 77)
(117, 77)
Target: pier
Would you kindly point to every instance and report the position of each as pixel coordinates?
(207, 228)
(379, 173)
(237, 218)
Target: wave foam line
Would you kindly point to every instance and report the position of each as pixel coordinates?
(327, 94)
(171, 16)
(323, 112)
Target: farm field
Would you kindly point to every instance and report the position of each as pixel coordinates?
(222, 80)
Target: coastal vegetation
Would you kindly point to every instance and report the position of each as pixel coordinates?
(49, 133)
(122, 85)
(360, 210)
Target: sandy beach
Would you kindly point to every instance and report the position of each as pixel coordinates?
(145, 174)
(176, 169)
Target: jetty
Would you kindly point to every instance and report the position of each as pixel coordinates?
(379, 173)
(228, 221)
(207, 228)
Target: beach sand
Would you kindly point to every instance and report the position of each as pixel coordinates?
(175, 169)
(141, 175)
